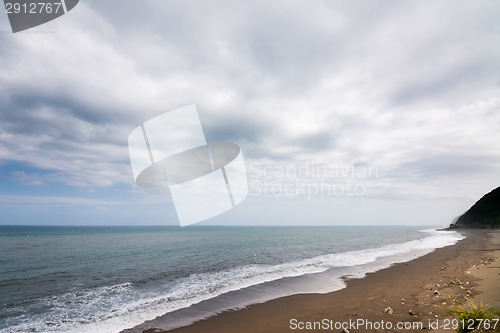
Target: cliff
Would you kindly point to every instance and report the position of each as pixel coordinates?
(483, 214)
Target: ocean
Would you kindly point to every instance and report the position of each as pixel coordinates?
(107, 279)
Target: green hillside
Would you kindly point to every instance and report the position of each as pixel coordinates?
(484, 214)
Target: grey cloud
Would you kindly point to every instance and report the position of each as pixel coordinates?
(447, 165)
(317, 142)
(235, 128)
(276, 61)
(464, 78)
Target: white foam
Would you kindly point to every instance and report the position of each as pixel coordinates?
(121, 306)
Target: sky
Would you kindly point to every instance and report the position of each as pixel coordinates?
(346, 112)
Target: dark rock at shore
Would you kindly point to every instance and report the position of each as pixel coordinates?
(483, 214)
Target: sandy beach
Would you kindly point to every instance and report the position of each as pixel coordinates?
(411, 294)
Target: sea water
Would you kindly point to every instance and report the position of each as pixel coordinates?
(106, 279)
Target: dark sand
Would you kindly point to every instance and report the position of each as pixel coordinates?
(421, 287)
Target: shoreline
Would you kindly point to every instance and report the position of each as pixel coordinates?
(404, 287)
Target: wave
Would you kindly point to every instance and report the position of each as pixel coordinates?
(120, 306)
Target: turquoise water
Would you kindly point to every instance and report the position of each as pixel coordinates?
(78, 279)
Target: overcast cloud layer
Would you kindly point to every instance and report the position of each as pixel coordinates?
(406, 89)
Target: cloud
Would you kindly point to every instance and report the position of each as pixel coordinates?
(408, 87)
(50, 200)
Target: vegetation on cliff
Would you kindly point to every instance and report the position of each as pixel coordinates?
(483, 214)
